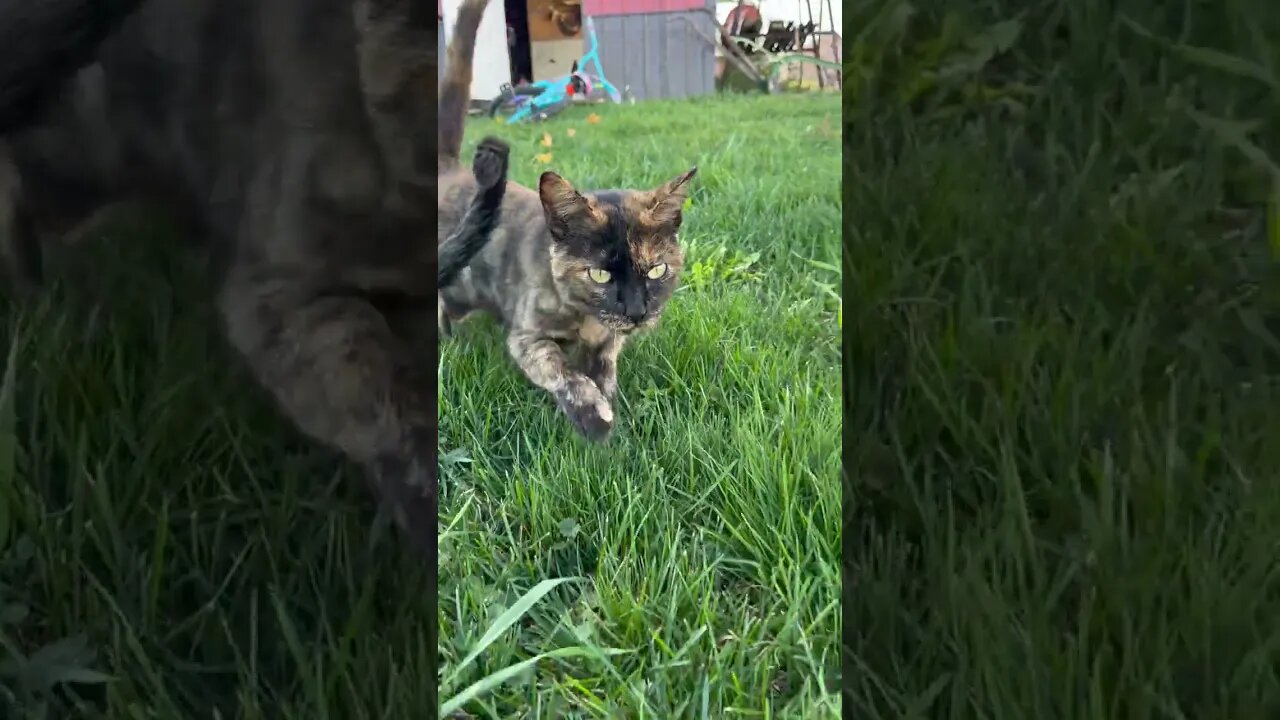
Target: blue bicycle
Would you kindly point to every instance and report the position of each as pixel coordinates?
(540, 100)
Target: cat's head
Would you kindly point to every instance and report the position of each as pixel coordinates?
(615, 253)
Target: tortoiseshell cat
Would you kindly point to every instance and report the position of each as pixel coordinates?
(570, 275)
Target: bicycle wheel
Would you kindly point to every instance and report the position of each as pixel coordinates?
(551, 111)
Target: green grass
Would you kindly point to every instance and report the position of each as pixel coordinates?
(705, 536)
(1062, 365)
(169, 548)
(161, 525)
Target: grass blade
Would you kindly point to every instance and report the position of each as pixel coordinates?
(496, 679)
(506, 620)
(1208, 57)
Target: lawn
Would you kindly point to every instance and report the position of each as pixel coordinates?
(703, 539)
(170, 549)
(1062, 360)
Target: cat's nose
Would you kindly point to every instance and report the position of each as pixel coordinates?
(635, 309)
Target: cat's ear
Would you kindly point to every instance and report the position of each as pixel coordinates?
(666, 202)
(563, 205)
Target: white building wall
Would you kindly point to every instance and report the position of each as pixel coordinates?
(492, 64)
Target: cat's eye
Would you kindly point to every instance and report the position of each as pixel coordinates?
(599, 276)
(657, 271)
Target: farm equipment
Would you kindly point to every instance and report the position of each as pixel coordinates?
(540, 100)
(760, 53)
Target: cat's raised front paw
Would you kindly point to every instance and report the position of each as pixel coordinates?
(587, 408)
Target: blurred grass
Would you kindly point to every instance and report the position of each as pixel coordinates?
(1061, 363)
(168, 547)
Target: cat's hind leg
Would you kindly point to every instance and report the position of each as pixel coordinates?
(455, 306)
(443, 321)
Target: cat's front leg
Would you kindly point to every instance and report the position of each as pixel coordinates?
(543, 361)
(338, 370)
(602, 365)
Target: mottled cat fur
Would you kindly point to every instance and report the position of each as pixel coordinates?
(297, 136)
(570, 275)
(22, 250)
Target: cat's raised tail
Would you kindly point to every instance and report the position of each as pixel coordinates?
(476, 227)
(455, 86)
(46, 41)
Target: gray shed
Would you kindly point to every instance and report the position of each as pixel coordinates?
(659, 48)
